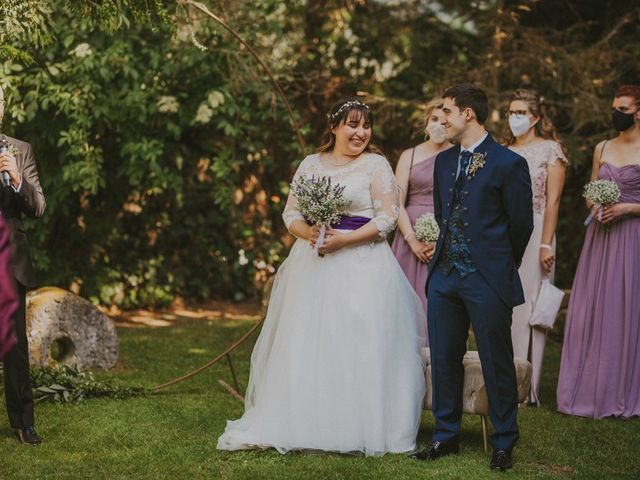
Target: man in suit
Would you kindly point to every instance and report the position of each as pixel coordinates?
(23, 196)
(483, 205)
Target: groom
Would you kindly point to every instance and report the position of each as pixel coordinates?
(483, 205)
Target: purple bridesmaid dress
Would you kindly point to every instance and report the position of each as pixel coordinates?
(600, 367)
(419, 201)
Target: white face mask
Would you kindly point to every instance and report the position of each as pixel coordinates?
(519, 125)
(437, 132)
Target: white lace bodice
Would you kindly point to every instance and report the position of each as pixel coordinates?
(369, 184)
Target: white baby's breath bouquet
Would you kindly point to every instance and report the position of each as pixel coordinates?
(601, 193)
(320, 201)
(426, 228)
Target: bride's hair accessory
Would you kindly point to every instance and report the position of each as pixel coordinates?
(347, 105)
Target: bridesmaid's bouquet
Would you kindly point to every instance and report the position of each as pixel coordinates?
(320, 201)
(426, 228)
(602, 193)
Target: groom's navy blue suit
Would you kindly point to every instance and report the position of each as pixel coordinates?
(485, 222)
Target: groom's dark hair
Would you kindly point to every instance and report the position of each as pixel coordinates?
(468, 95)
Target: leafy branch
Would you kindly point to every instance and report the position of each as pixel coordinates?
(65, 384)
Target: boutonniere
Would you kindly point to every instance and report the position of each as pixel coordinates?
(13, 150)
(477, 162)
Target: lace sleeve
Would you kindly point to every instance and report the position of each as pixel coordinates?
(291, 211)
(556, 153)
(384, 195)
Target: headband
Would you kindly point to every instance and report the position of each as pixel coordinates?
(349, 104)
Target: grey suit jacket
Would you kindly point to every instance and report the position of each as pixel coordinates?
(29, 201)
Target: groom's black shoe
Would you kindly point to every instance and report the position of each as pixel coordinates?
(28, 435)
(501, 460)
(436, 450)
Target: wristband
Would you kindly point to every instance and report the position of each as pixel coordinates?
(408, 236)
(546, 246)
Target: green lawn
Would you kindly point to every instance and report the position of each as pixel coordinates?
(173, 434)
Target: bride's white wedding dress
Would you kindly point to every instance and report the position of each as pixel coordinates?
(337, 366)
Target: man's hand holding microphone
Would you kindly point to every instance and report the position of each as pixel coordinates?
(8, 165)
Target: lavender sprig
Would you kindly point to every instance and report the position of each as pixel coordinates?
(319, 200)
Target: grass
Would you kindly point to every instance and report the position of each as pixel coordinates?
(173, 434)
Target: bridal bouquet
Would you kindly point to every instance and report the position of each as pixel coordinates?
(426, 228)
(320, 202)
(601, 193)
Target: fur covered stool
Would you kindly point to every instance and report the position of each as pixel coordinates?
(474, 393)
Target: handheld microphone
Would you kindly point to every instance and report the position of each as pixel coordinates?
(4, 147)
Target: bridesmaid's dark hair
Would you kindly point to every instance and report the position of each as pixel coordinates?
(349, 108)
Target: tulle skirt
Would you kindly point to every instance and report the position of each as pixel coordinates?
(337, 366)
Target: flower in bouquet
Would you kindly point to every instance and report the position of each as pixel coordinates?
(426, 228)
(601, 193)
(320, 201)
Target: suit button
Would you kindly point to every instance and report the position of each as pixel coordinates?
(448, 204)
(466, 193)
(464, 209)
(468, 177)
(466, 224)
(468, 240)
(450, 190)
(453, 174)
(445, 221)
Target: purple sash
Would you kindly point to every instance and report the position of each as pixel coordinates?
(348, 223)
(351, 223)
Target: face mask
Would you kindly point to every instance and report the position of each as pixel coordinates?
(622, 121)
(437, 132)
(519, 125)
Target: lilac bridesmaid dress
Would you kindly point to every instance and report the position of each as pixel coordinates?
(600, 366)
(419, 201)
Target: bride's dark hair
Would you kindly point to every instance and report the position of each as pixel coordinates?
(349, 108)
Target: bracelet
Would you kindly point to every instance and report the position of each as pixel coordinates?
(409, 235)
(546, 246)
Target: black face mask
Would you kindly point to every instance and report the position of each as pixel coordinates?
(622, 121)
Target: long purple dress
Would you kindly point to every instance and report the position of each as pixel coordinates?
(600, 367)
(419, 201)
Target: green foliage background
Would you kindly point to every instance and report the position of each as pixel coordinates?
(166, 166)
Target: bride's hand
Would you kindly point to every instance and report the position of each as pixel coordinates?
(333, 241)
(314, 231)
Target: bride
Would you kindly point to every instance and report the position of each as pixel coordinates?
(337, 366)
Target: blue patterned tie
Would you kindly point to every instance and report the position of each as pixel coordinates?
(465, 159)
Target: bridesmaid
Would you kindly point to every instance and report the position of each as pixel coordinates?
(8, 298)
(600, 366)
(414, 175)
(532, 135)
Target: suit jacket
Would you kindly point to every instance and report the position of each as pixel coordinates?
(498, 214)
(8, 299)
(29, 201)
